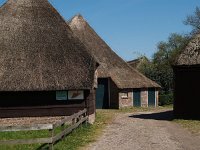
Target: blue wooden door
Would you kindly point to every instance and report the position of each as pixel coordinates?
(102, 94)
(151, 97)
(136, 97)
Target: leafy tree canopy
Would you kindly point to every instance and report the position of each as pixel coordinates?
(159, 68)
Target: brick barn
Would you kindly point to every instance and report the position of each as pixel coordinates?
(119, 85)
(44, 69)
(187, 81)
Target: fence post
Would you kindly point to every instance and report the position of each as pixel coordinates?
(85, 115)
(79, 119)
(73, 121)
(52, 135)
(62, 129)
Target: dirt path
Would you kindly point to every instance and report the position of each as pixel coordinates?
(146, 131)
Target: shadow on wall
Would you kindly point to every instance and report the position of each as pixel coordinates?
(166, 116)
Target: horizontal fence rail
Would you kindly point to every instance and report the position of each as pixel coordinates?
(26, 127)
(72, 122)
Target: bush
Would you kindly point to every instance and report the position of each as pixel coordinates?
(166, 99)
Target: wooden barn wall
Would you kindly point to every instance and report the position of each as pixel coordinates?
(91, 102)
(187, 92)
(114, 95)
(33, 104)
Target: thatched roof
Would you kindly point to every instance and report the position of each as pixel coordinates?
(191, 54)
(111, 65)
(38, 50)
(136, 63)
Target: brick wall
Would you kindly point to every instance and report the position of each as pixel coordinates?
(118, 99)
(126, 101)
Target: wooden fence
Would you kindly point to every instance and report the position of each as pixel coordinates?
(67, 126)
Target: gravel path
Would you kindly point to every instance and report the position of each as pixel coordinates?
(146, 131)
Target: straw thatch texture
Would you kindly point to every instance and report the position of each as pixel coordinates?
(136, 63)
(38, 50)
(191, 54)
(111, 65)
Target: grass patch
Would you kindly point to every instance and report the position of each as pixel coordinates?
(78, 138)
(192, 125)
(23, 135)
(143, 109)
(87, 134)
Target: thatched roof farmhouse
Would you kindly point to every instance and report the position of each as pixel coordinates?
(39, 53)
(112, 67)
(187, 81)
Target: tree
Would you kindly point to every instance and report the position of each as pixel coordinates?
(159, 68)
(194, 20)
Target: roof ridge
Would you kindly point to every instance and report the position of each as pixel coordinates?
(4, 4)
(118, 69)
(75, 16)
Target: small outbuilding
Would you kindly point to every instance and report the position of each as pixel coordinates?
(119, 85)
(187, 81)
(44, 69)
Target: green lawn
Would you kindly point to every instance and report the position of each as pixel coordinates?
(78, 138)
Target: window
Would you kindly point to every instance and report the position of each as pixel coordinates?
(61, 95)
(124, 95)
(78, 94)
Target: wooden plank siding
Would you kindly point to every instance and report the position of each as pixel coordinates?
(40, 104)
(186, 92)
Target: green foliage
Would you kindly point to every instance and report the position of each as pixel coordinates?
(166, 99)
(194, 20)
(160, 68)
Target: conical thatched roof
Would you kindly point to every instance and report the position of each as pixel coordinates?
(38, 50)
(191, 54)
(111, 65)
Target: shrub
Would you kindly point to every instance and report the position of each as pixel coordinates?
(166, 99)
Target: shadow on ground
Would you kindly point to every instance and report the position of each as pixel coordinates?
(166, 115)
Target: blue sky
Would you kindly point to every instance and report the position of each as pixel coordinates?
(131, 27)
